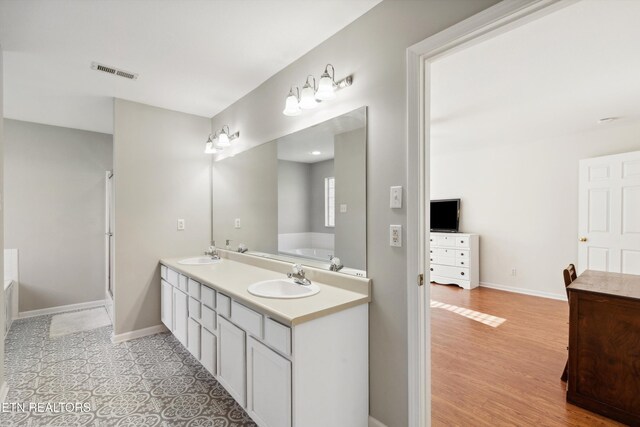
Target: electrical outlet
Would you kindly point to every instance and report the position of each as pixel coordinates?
(343, 208)
(396, 197)
(513, 272)
(237, 223)
(395, 236)
(180, 224)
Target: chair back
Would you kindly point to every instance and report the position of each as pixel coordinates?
(569, 275)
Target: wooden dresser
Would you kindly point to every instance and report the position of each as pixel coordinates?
(604, 345)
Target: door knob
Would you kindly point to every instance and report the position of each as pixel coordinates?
(583, 239)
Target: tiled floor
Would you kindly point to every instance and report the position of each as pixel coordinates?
(151, 381)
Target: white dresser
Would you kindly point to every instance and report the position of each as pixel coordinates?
(455, 259)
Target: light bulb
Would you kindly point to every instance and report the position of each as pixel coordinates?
(308, 96)
(291, 107)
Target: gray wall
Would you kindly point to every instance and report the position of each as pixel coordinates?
(161, 174)
(55, 211)
(373, 49)
(351, 189)
(319, 171)
(2, 382)
(294, 199)
(246, 187)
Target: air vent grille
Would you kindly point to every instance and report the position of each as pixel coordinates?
(112, 70)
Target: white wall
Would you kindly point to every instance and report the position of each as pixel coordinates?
(54, 211)
(373, 49)
(522, 198)
(161, 174)
(294, 202)
(2, 314)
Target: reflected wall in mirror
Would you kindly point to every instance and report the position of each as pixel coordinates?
(300, 198)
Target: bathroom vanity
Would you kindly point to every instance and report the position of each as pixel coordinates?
(299, 362)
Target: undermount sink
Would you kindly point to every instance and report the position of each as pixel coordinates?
(282, 288)
(199, 260)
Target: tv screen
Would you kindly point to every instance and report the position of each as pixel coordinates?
(445, 215)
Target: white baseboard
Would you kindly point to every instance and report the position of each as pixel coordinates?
(4, 390)
(60, 309)
(375, 423)
(138, 333)
(561, 297)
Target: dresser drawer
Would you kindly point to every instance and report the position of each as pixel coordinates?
(462, 253)
(208, 319)
(194, 289)
(194, 309)
(164, 271)
(446, 260)
(208, 296)
(462, 242)
(444, 252)
(183, 282)
(446, 241)
(247, 319)
(172, 277)
(223, 305)
(462, 262)
(277, 336)
(448, 271)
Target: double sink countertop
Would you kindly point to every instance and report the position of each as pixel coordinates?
(237, 271)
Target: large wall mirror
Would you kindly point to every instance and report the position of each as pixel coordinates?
(300, 198)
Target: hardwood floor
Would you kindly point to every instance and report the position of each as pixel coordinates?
(505, 375)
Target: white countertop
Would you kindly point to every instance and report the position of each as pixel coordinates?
(233, 276)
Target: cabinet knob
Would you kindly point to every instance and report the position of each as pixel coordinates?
(462, 262)
(462, 273)
(461, 241)
(431, 269)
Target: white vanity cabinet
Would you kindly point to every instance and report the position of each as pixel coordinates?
(166, 312)
(310, 374)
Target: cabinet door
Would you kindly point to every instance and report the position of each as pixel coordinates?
(193, 338)
(208, 351)
(268, 386)
(180, 314)
(231, 355)
(166, 306)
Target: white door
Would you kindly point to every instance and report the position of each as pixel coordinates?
(609, 214)
(208, 351)
(232, 358)
(180, 315)
(268, 386)
(166, 305)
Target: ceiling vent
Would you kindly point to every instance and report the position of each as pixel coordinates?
(113, 70)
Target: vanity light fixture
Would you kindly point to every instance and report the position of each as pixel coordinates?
(223, 138)
(315, 153)
(308, 94)
(209, 147)
(220, 140)
(311, 96)
(292, 105)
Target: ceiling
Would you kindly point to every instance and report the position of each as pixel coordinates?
(553, 76)
(197, 57)
(298, 146)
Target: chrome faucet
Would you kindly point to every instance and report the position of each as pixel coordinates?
(297, 274)
(242, 248)
(212, 251)
(335, 263)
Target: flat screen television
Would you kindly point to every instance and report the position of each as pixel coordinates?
(445, 215)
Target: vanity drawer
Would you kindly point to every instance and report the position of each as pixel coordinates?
(183, 282)
(462, 241)
(277, 336)
(172, 277)
(194, 309)
(247, 319)
(223, 305)
(208, 296)
(194, 288)
(451, 272)
(163, 271)
(208, 319)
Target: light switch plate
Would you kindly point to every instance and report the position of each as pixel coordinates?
(343, 208)
(396, 197)
(395, 236)
(180, 224)
(237, 223)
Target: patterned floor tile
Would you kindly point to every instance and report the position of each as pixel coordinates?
(148, 382)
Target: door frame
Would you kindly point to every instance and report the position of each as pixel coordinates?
(493, 21)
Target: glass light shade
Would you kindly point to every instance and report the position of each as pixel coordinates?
(223, 140)
(291, 108)
(209, 148)
(326, 88)
(308, 98)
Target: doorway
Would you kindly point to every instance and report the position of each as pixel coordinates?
(108, 243)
